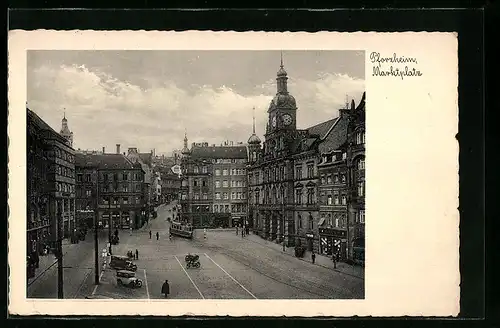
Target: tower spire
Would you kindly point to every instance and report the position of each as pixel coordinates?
(253, 116)
(281, 59)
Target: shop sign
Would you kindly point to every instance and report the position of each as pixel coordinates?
(333, 232)
(309, 235)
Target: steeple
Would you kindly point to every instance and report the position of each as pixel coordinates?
(65, 132)
(254, 139)
(282, 77)
(185, 150)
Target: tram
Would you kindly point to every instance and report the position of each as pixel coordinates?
(181, 229)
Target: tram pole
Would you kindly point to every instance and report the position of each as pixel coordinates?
(96, 238)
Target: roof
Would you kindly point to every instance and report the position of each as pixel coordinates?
(42, 125)
(223, 152)
(147, 158)
(105, 161)
(337, 136)
(321, 129)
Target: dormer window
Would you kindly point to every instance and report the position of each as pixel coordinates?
(344, 156)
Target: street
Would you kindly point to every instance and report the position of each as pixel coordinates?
(232, 267)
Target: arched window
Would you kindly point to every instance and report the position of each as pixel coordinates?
(361, 164)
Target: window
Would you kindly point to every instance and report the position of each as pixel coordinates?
(217, 171)
(337, 223)
(299, 219)
(225, 195)
(329, 202)
(323, 180)
(195, 182)
(238, 195)
(233, 195)
(311, 223)
(204, 169)
(125, 188)
(196, 196)
(257, 197)
(343, 178)
(204, 183)
(298, 196)
(361, 164)
(362, 216)
(310, 171)
(224, 172)
(195, 169)
(225, 184)
(336, 200)
(233, 183)
(125, 200)
(298, 172)
(88, 193)
(226, 208)
(310, 196)
(329, 219)
(360, 138)
(79, 177)
(233, 208)
(217, 184)
(205, 196)
(243, 196)
(125, 176)
(344, 156)
(344, 200)
(233, 171)
(361, 188)
(137, 187)
(216, 208)
(217, 195)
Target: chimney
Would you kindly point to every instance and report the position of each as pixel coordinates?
(103, 150)
(117, 148)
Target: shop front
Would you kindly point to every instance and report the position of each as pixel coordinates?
(333, 241)
(125, 220)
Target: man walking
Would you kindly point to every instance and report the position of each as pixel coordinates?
(313, 257)
(136, 254)
(165, 289)
(236, 230)
(149, 234)
(157, 235)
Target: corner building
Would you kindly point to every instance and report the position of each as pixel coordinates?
(213, 190)
(289, 195)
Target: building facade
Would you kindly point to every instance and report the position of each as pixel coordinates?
(214, 187)
(115, 185)
(299, 183)
(51, 186)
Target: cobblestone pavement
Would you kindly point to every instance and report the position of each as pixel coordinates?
(231, 268)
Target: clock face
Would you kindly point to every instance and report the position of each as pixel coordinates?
(273, 122)
(287, 119)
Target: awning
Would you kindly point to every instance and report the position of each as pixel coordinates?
(321, 221)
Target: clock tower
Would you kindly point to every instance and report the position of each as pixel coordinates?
(282, 114)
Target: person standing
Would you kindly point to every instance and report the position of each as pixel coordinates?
(313, 257)
(236, 230)
(149, 234)
(165, 289)
(157, 235)
(136, 254)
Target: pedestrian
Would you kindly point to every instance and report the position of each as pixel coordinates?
(165, 289)
(236, 230)
(248, 230)
(157, 235)
(136, 254)
(205, 233)
(242, 232)
(149, 234)
(313, 257)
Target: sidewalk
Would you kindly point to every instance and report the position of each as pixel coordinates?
(321, 260)
(48, 261)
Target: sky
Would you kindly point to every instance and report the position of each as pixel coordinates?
(148, 99)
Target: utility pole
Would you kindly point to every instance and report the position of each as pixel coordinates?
(96, 227)
(60, 281)
(110, 222)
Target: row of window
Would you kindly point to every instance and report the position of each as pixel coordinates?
(226, 208)
(279, 173)
(120, 200)
(124, 187)
(64, 187)
(234, 195)
(63, 170)
(62, 154)
(360, 138)
(229, 161)
(233, 172)
(328, 179)
(196, 169)
(124, 176)
(196, 183)
(337, 220)
(333, 157)
(234, 183)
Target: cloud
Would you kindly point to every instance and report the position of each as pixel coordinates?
(103, 110)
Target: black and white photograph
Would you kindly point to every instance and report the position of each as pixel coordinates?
(233, 174)
(195, 174)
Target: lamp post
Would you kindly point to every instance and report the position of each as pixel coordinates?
(110, 221)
